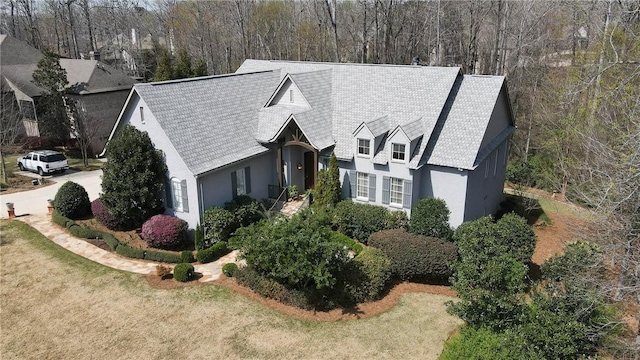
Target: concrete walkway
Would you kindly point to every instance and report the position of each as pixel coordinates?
(43, 224)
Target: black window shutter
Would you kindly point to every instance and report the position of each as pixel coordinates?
(168, 192)
(247, 180)
(234, 185)
(386, 190)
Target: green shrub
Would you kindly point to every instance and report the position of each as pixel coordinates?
(213, 253)
(416, 257)
(367, 275)
(484, 344)
(229, 269)
(128, 251)
(183, 272)
(199, 238)
(271, 288)
(328, 190)
(187, 256)
(72, 201)
(218, 223)
(397, 220)
(430, 217)
(85, 233)
(111, 241)
(59, 219)
(245, 210)
(133, 178)
(346, 241)
(358, 221)
(162, 256)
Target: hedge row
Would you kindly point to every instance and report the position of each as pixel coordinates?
(359, 221)
(346, 241)
(270, 288)
(213, 253)
(416, 257)
(118, 247)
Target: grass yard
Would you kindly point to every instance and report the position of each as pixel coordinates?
(55, 304)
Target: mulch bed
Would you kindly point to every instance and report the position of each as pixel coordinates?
(361, 311)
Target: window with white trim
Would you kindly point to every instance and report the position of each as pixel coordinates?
(363, 185)
(179, 195)
(396, 192)
(397, 152)
(241, 182)
(141, 114)
(364, 147)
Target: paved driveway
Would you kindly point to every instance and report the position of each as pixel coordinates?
(35, 201)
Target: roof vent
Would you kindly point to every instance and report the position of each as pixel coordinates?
(94, 55)
(415, 61)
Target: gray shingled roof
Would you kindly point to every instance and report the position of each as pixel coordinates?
(379, 126)
(362, 93)
(211, 121)
(457, 139)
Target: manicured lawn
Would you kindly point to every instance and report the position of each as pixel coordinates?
(55, 304)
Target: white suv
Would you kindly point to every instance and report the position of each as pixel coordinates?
(43, 162)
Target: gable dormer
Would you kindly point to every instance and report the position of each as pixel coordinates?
(288, 93)
(363, 142)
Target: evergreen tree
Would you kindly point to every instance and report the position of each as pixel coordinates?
(201, 68)
(328, 190)
(53, 121)
(164, 71)
(183, 68)
(132, 181)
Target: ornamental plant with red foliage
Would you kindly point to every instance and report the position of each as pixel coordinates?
(103, 215)
(164, 231)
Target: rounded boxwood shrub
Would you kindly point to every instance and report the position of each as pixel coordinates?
(358, 221)
(368, 275)
(430, 217)
(187, 257)
(103, 215)
(183, 272)
(72, 201)
(164, 231)
(219, 223)
(416, 257)
(229, 269)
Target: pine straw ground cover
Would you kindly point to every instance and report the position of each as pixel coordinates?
(55, 304)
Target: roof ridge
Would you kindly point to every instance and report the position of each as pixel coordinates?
(359, 64)
(185, 80)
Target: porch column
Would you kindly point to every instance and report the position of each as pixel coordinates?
(280, 180)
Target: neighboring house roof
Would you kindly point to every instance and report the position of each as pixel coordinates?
(211, 121)
(19, 60)
(364, 92)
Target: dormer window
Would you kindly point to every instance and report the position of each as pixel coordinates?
(364, 147)
(397, 152)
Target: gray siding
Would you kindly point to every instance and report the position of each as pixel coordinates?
(499, 119)
(449, 185)
(216, 187)
(484, 194)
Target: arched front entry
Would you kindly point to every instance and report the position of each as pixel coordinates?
(297, 159)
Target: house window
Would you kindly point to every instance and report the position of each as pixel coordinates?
(179, 192)
(364, 147)
(363, 185)
(142, 114)
(396, 192)
(241, 182)
(397, 152)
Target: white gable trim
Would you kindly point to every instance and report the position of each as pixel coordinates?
(286, 124)
(281, 87)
